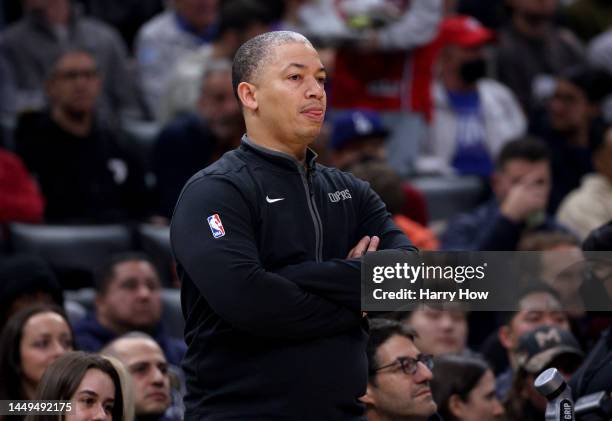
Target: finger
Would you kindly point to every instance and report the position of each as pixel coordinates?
(374, 242)
(360, 248)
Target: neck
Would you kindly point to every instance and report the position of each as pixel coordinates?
(373, 415)
(295, 149)
(76, 123)
(292, 8)
(221, 49)
(29, 389)
(579, 137)
(453, 82)
(529, 29)
(117, 328)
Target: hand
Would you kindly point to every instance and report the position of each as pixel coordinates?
(365, 245)
(529, 195)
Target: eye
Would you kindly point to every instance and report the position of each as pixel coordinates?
(322, 80)
(88, 401)
(295, 77)
(43, 343)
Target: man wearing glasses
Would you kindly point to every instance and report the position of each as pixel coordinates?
(399, 375)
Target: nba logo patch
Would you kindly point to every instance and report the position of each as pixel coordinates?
(214, 222)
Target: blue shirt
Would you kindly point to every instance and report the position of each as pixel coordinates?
(471, 154)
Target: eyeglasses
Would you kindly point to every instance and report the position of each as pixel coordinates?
(409, 365)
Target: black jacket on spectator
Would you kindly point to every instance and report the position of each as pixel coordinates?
(568, 163)
(84, 179)
(272, 305)
(183, 148)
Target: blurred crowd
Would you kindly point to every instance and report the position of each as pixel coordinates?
(483, 125)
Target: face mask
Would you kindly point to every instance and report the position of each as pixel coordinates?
(473, 70)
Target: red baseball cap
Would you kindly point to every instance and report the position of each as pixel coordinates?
(464, 31)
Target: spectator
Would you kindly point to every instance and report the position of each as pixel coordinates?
(532, 49)
(49, 27)
(521, 185)
(398, 375)
(464, 389)
(127, 16)
(473, 116)
(239, 20)
(388, 68)
(26, 280)
(561, 265)
(572, 121)
(31, 340)
(20, 198)
(439, 330)
(542, 348)
(167, 37)
(590, 205)
(388, 185)
(84, 174)
(127, 298)
(148, 369)
(89, 381)
(359, 136)
(194, 141)
(538, 305)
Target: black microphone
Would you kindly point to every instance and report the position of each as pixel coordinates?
(594, 407)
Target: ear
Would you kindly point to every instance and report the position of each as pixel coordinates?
(456, 406)
(495, 181)
(368, 398)
(247, 95)
(98, 302)
(49, 86)
(505, 336)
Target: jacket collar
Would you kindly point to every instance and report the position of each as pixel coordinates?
(279, 158)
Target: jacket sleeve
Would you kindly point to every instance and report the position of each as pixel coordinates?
(467, 233)
(339, 280)
(229, 274)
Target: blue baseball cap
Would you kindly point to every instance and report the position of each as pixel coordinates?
(354, 125)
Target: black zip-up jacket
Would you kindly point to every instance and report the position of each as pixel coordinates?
(272, 306)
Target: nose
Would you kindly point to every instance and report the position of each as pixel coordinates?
(498, 409)
(100, 413)
(423, 374)
(315, 89)
(144, 292)
(58, 349)
(158, 377)
(446, 322)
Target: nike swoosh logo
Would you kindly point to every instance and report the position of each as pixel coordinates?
(274, 200)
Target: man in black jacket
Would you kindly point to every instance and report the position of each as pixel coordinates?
(271, 300)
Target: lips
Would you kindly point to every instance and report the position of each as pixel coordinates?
(314, 113)
(158, 396)
(424, 392)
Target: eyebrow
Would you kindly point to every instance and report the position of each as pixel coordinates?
(302, 66)
(88, 392)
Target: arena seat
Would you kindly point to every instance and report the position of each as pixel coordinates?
(172, 317)
(155, 242)
(73, 251)
(449, 196)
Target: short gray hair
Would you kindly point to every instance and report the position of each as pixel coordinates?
(254, 52)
